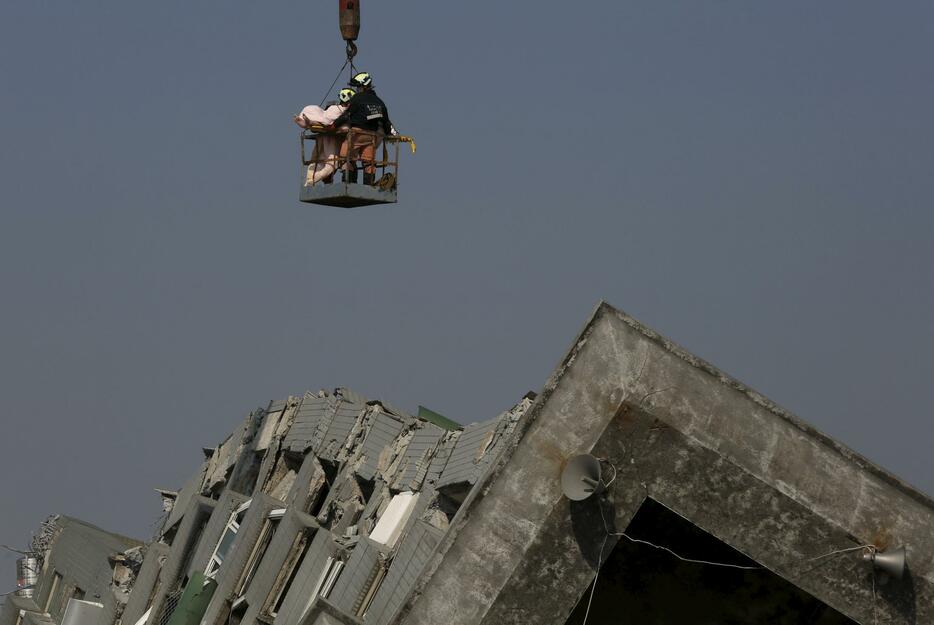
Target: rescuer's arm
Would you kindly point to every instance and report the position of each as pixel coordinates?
(345, 116)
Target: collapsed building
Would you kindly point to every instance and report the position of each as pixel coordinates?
(74, 560)
(712, 505)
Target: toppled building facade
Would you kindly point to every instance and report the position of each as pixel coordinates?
(75, 560)
(717, 507)
(326, 496)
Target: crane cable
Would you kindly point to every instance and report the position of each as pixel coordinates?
(351, 53)
(336, 78)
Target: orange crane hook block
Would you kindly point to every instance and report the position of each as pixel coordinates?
(350, 24)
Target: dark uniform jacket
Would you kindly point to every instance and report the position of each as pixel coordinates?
(366, 111)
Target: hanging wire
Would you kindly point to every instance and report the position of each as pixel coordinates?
(336, 78)
(608, 533)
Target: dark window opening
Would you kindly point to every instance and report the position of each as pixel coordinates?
(645, 585)
(218, 487)
(192, 543)
(456, 493)
(317, 501)
(290, 568)
(169, 534)
(256, 556)
(246, 473)
(237, 611)
(282, 478)
(366, 487)
(288, 583)
(447, 505)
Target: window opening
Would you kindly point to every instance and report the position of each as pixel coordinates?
(381, 570)
(649, 585)
(324, 585)
(237, 611)
(193, 540)
(227, 539)
(293, 564)
(259, 550)
(317, 502)
(366, 487)
(280, 482)
(335, 573)
(246, 472)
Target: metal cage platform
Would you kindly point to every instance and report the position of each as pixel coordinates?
(333, 190)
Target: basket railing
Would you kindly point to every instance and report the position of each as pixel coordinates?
(386, 154)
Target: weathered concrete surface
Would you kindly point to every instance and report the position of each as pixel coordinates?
(701, 443)
(324, 613)
(147, 582)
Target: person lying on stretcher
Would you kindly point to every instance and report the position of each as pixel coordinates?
(324, 158)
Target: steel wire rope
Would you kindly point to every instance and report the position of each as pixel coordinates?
(336, 78)
(608, 533)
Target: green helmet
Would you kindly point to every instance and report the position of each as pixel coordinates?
(361, 79)
(346, 95)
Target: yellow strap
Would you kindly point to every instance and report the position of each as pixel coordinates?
(409, 140)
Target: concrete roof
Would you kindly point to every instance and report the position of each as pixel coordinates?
(693, 438)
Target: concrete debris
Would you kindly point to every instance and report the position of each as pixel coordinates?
(43, 537)
(169, 497)
(327, 479)
(126, 566)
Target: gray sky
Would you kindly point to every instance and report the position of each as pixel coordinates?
(753, 180)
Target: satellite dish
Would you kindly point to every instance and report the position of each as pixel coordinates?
(892, 562)
(581, 477)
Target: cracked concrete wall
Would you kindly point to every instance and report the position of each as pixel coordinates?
(147, 582)
(325, 613)
(680, 431)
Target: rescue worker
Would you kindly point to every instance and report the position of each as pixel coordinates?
(324, 159)
(368, 120)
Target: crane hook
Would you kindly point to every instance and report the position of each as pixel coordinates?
(351, 50)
